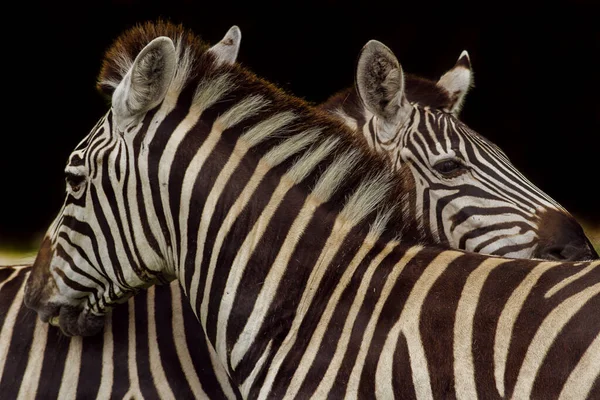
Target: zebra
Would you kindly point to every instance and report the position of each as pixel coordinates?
(284, 232)
(154, 347)
(122, 362)
(469, 195)
(173, 345)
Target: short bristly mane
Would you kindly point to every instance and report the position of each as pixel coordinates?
(385, 187)
(119, 58)
(418, 90)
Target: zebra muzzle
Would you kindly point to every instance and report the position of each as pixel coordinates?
(75, 321)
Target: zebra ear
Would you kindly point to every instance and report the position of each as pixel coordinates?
(146, 83)
(226, 51)
(457, 82)
(380, 83)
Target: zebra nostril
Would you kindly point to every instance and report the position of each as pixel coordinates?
(554, 253)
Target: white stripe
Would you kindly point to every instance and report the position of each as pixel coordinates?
(464, 369)
(134, 383)
(407, 324)
(507, 320)
(70, 377)
(585, 373)
(9, 321)
(31, 378)
(181, 348)
(342, 345)
(545, 336)
(156, 368)
(108, 361)
(562, 284)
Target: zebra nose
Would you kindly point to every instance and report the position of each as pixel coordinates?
(561, 237)
(574, 251)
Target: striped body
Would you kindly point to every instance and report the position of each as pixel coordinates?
(152, 347)
(287, 238)
(26, 339)
(175, 350)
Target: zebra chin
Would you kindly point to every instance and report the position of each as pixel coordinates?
(43, 296)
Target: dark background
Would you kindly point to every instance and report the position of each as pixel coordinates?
(537, 77)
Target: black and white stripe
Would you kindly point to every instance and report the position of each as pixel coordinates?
(152, 347)
(468, 194)
(286, 237)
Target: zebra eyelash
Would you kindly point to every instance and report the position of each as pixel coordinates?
(450, 167)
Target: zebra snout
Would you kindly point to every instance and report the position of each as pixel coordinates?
(76, 321)
(569, 252)
(561, 238)
(72, 321)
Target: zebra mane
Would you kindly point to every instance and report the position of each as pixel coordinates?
(417, 89)
(120, 56)
(376, 188)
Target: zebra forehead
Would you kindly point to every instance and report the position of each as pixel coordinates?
(426, 92)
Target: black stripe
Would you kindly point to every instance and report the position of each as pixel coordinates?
(199, 353)
(281, 312)
(582, 329)
(336, 324)
(137, 147)
(437, 313)
(90, 371)
(187, 149)
(165, 330)
(55, 355)
(120, 335)
(336, 268)
(118, 161)
(107, 233)
(142, 352)
(402, 382)
(18, 350)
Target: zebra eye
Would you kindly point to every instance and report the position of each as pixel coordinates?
(75, 181)
(449, 168)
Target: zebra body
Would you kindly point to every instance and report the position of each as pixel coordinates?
(285, 235)
(199, 381)
(152, 347)
(467, 192)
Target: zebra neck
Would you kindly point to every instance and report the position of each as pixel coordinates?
(242, 177)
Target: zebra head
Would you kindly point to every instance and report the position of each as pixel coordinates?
(94, 254)
(469, 194)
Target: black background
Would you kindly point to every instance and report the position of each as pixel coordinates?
(536, 69)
